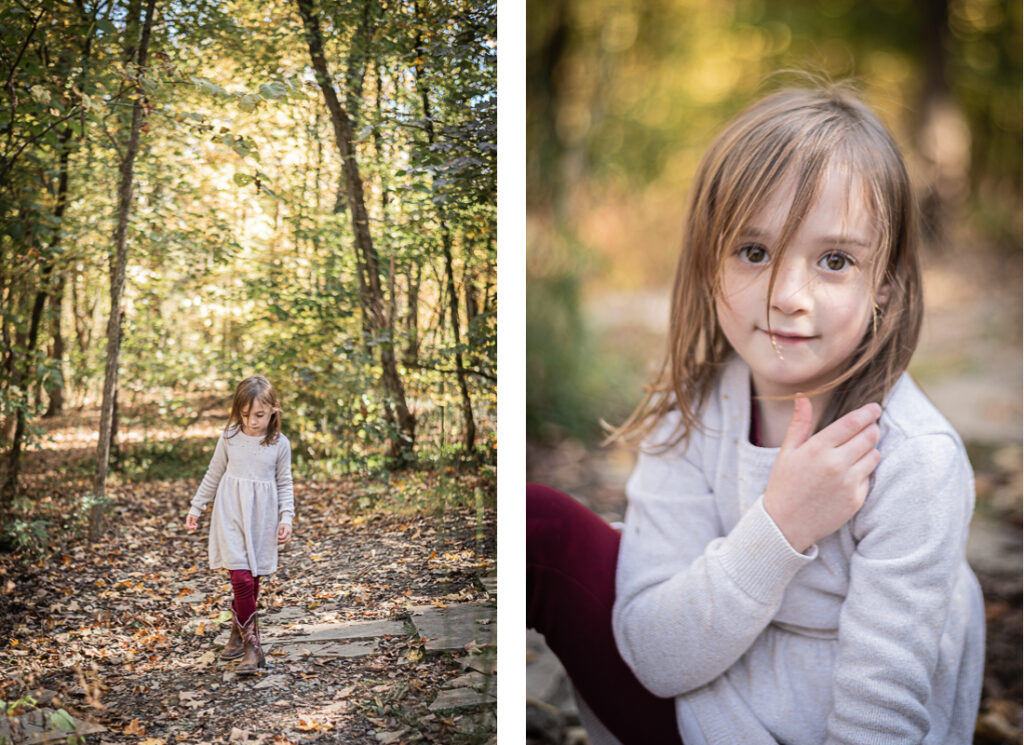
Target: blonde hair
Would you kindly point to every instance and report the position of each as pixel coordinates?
(254, 388)
(798, 134)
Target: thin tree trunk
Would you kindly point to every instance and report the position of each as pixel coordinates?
(942, 134)
(10, 486)
(472, 307)
(402, 441)
(82, 317)
(468, 423)
(115, 426)
(56, 392)
(412, 317)
(56, 293)
(97, 513)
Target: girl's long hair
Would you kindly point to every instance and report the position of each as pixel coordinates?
(254, 388)
(798, 134)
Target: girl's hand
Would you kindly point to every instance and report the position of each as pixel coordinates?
(284, 532)
(818, 483)
(191, 521)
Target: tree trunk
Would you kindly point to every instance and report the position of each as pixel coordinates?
(115, 425)
(468, 423)
(56, 293)
(56, 393)
(412, 317)
(21, 375)
(82, 313)
(942, 134)
(97, 513)
(371, 296)
(42, 295)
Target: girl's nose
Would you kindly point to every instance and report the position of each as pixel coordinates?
(791, 293)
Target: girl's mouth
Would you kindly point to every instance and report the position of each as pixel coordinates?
(782, 337)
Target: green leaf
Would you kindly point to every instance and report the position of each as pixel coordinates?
(209, 87)
(268, 92)
(106, 26)
(242, 179)
(63, 720)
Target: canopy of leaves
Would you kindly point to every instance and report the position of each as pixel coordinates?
(240, 248)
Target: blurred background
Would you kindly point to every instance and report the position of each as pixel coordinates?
(624, 96)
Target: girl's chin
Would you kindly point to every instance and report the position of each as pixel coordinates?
(784, 385)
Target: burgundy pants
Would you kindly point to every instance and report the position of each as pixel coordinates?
(570, 587)
(247, 590)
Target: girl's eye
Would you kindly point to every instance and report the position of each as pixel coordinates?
(835, 261)
(754, 254)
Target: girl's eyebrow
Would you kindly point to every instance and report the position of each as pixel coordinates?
(830, 239)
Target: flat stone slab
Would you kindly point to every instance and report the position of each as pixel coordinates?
(461, 698)
(323, 632)
(455, 627)
(476, 680)
(294, 652)
(480, 722)
(546, 679)
(291, 613)
(332, 632)
(486, 663)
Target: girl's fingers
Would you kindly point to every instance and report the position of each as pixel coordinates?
(866, 465)
(854, 448)
(848, 426)
(800, 425)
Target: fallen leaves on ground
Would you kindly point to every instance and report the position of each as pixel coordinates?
(123, 631)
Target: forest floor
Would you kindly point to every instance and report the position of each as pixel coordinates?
(969, 365)
(365, 624)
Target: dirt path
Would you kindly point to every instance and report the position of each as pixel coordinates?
(123, 635)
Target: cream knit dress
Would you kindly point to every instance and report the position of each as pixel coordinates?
(252, 484)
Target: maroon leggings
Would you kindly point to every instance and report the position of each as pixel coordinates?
(570, 587)
(247, 590)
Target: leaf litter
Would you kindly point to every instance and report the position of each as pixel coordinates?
(122, 632)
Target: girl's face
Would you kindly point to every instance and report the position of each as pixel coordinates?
(256, 418)
(821, 305)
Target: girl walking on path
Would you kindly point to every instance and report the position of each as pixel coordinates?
(250, 481)
(792, 566)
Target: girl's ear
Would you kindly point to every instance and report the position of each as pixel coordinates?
(882, 296)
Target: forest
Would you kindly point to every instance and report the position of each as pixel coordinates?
(196, 167)
(196, 191)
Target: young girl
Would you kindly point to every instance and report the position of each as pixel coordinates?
(792, 567)
(251, 476)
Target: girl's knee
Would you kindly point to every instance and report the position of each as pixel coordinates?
(545, 503)
(242, 581)
(559, 526)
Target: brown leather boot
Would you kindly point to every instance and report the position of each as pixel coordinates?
(234, 648)
(252, 652)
